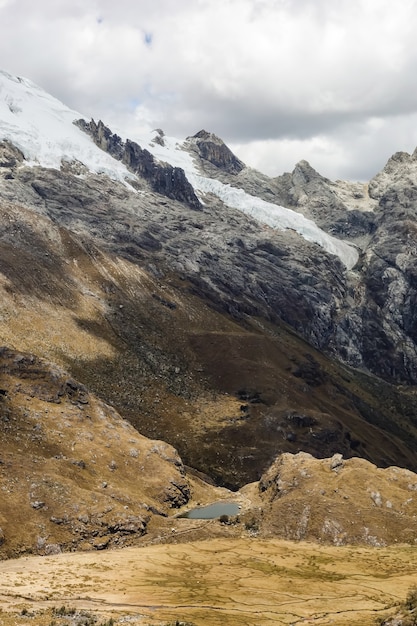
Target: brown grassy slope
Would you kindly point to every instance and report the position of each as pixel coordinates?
(228, 395)
(73, 473)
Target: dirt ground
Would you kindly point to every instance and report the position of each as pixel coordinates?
(228, 582)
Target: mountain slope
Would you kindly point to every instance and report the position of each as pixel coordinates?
(74, 474)
(357, 315)
(202, 324)
(168, 354)
(329, 307)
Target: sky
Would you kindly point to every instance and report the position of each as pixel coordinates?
(330, 81)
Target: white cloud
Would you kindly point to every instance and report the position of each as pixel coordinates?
(280, 79)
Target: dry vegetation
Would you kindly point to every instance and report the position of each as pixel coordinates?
(211, 583)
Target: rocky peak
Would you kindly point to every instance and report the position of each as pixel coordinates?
(213, 149)
(159, 137)
(206, 136)
(309, 192)
(399, 171)
(103, 138)
(303, 173)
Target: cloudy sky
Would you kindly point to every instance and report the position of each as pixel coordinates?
(330, 81)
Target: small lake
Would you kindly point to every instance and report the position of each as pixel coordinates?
(212, 511)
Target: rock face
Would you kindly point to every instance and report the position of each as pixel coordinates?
(370, 312)
(382, 289)
(163, 178)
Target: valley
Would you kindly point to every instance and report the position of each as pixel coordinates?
(179, 330)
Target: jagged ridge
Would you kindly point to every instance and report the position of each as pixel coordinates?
(164, 179)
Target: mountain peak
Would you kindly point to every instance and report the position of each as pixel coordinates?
(213, 149)
(207, 136)
(304, 172)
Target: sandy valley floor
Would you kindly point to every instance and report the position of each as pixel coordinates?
(215, 582)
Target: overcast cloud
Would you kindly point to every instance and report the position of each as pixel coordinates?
(330, 81)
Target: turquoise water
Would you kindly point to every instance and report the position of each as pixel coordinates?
(212, 511)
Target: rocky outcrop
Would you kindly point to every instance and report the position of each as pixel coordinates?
(10, 157)
(400, 171)
(341, 208)
(338, 501)
(163, 178)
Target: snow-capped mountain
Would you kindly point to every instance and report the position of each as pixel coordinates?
(205, 300)
(341, 219)
(43, 129)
